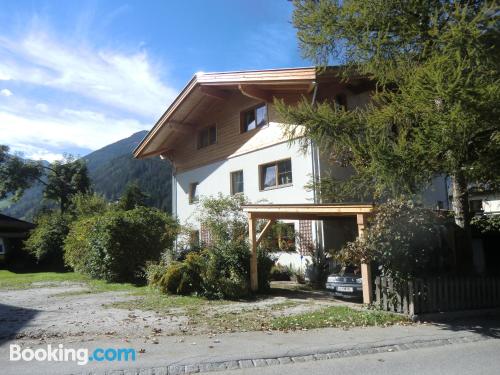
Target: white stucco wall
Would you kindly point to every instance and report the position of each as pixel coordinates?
(214, 178)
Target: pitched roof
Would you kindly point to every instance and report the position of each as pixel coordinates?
(11, 222)
(206, 88)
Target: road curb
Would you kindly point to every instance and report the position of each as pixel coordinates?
(358, 350)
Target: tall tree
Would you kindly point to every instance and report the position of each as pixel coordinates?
(65, 179)
(132, 197)
(435, 109)
(61, 179)
(16, 174)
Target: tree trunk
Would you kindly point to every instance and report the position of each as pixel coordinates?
(463, 249)
(461, 201)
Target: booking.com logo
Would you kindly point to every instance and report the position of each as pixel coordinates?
(61, 354)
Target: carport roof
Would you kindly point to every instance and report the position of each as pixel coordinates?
(306, 211)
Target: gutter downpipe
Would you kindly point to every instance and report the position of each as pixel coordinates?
(174, 190)
(316, 175)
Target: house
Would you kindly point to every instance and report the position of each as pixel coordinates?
(12, 233)
(222, 134)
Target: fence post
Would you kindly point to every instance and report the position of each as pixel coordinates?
(378, 300)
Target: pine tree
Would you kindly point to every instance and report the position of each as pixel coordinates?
(435, 109)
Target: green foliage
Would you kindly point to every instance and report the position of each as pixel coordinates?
(65, 179)
(228, 266)
(435, 109)
(132, 197)
(110, 169)
(337, 316)
(16, 174)
(486, 224)
(403, 239)
(83, 205)
(222, 268)
(191, 273)
(280, 273)
(46, 241)
(117, 244)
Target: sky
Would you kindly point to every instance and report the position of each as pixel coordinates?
(78, 75)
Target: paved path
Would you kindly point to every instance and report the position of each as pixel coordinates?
(479, 358)
(175, 355)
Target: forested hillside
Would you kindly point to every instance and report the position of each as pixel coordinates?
(111, 168)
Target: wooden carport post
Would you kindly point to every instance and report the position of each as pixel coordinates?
(366, 272)
(252, 234)
(254, 242)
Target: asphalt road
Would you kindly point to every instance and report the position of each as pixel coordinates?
(479, 358)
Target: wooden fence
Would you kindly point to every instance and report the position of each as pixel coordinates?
(437, 294)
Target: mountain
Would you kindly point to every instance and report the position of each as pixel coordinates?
(111, 168)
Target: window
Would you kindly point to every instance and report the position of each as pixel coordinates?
(278, 173)
(193, 193)
(236, 182)
(2, 246)
(476, 205)
(253, 118)
(207, 136)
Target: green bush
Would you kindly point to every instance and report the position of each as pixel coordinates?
(117, 244)
(46, 241)
(222, 268)
(403, 239)
(280, 273)
(486, 224)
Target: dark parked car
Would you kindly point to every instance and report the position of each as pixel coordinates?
(346, 283)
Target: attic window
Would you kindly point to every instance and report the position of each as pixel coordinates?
(254, 118)
(207, 136)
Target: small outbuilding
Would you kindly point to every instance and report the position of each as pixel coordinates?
(12, 232)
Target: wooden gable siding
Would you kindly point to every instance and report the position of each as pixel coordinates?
(230, 141)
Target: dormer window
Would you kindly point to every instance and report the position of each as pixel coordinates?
(254, 118)
(207, 136)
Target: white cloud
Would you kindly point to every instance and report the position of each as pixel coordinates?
(67, 129)
(126, 81)
(5, 92)
(35, 153)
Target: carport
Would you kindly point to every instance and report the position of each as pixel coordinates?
(273, 212)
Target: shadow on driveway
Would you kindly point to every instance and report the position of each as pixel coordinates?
(487, 326)
(12, 320)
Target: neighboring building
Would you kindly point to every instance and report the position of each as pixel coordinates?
(484, 203)
(223, 135)
(12, 233)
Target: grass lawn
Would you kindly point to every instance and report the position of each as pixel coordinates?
(337, 316)
(11, 280)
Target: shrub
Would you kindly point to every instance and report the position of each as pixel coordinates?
(88, 205)
(183, 277)
(154, 273)
(486, 224)
(403, 239)
(280, 273)
(46, 241)
(222, 268)
(116, 245)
